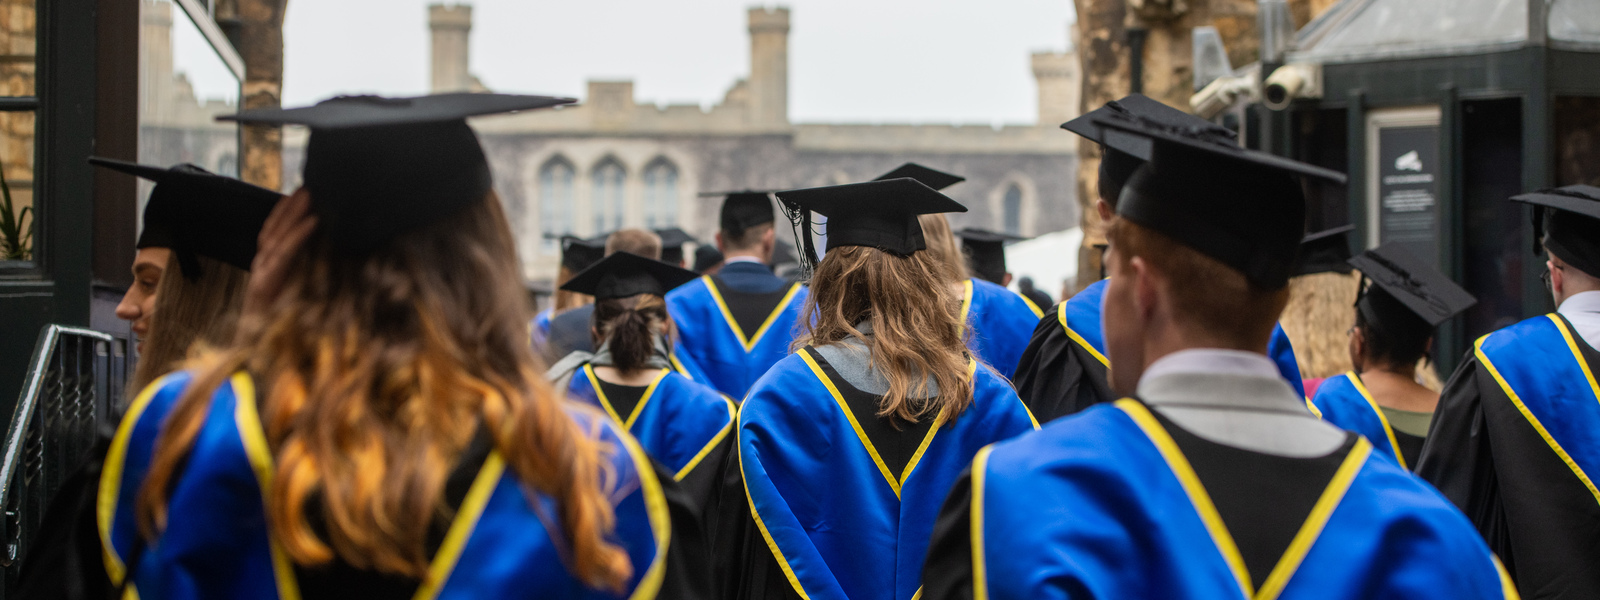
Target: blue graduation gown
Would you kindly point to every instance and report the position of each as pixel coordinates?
(1515, 443)
(1064, 367)
(1104, 505)
(217, 544)
(541, 329)
(678, 422)
(1001, 322)
(833, 515)
(1344, 401)
(732, 358)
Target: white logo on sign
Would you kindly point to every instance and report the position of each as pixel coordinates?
(1409, 162)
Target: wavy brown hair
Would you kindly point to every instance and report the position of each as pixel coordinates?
(916, 329)
(630, 325)
(198, 313)
(943, 246)
(376, 372)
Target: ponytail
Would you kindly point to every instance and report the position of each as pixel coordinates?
(629, 327)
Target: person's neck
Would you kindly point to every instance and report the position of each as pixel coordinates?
(1397, 388)
(631, 377)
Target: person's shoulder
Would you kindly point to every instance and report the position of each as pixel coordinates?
(687, 291)
(1518, 332)
(1396, 498)
(1101, 432)
(694, 392)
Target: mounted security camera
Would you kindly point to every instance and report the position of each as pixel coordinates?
(1291, 81)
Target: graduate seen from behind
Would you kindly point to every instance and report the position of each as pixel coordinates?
(1513, 439)
(1211, 479)
(1063, 368)
(739, 322)
(571, 332)
(847, 447)
(553, 341)
(1396, 315)
(382, 431)
(191, 273)
(682, 424)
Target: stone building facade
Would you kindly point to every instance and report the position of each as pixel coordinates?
(614, 162)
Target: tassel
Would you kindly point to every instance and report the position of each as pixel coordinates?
(800, 222)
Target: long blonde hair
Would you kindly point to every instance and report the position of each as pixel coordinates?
(198, 313)
(376, 372)
(943, 246)
(917, 333)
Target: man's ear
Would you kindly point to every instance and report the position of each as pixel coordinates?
(1005, 281)
(1105, 211)
(1145, 294)
(720, 247)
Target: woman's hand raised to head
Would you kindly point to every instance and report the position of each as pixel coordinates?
(281, 236)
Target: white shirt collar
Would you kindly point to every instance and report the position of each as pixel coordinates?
(1582, 302)
(742, 259)
(1212, 361)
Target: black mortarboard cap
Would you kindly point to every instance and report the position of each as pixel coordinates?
(1117, 166)
(672, 241)
(1566, 222)
(986, 252)
(578, 253)
(744, 209)
(1325, 251)
(380, 167)
(933, 178)
(1421, 289)
(706, 257)
(879, 214)
(196, 212)
(624, 274)
(1243, 208)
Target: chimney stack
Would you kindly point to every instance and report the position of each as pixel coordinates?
(769, 67)
(451, 25)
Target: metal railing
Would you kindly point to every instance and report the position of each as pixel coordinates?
(72, 391)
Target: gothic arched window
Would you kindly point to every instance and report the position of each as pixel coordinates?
(1011, 210)
(555, 200)
(607, 201)
(660, 194)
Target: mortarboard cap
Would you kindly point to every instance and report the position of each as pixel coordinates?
(986, 252)
(380, 167)
(1407, 297)
(1117, 166)
(744, 209)
(933, 178)
(1325, 251)
(1243, 208)
(198, 213)
(706, 257)
(624, 274)
(579, 253)
(1566, 222)
(672, 241)
(879, 214)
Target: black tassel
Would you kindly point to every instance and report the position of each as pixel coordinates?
(800, 222)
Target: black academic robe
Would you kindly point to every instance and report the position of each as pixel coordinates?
(1514, 443)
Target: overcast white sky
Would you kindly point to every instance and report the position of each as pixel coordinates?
(924, 61)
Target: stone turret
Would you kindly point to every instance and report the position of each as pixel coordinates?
(769, 68)
(1060, 83)
(451, 25)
